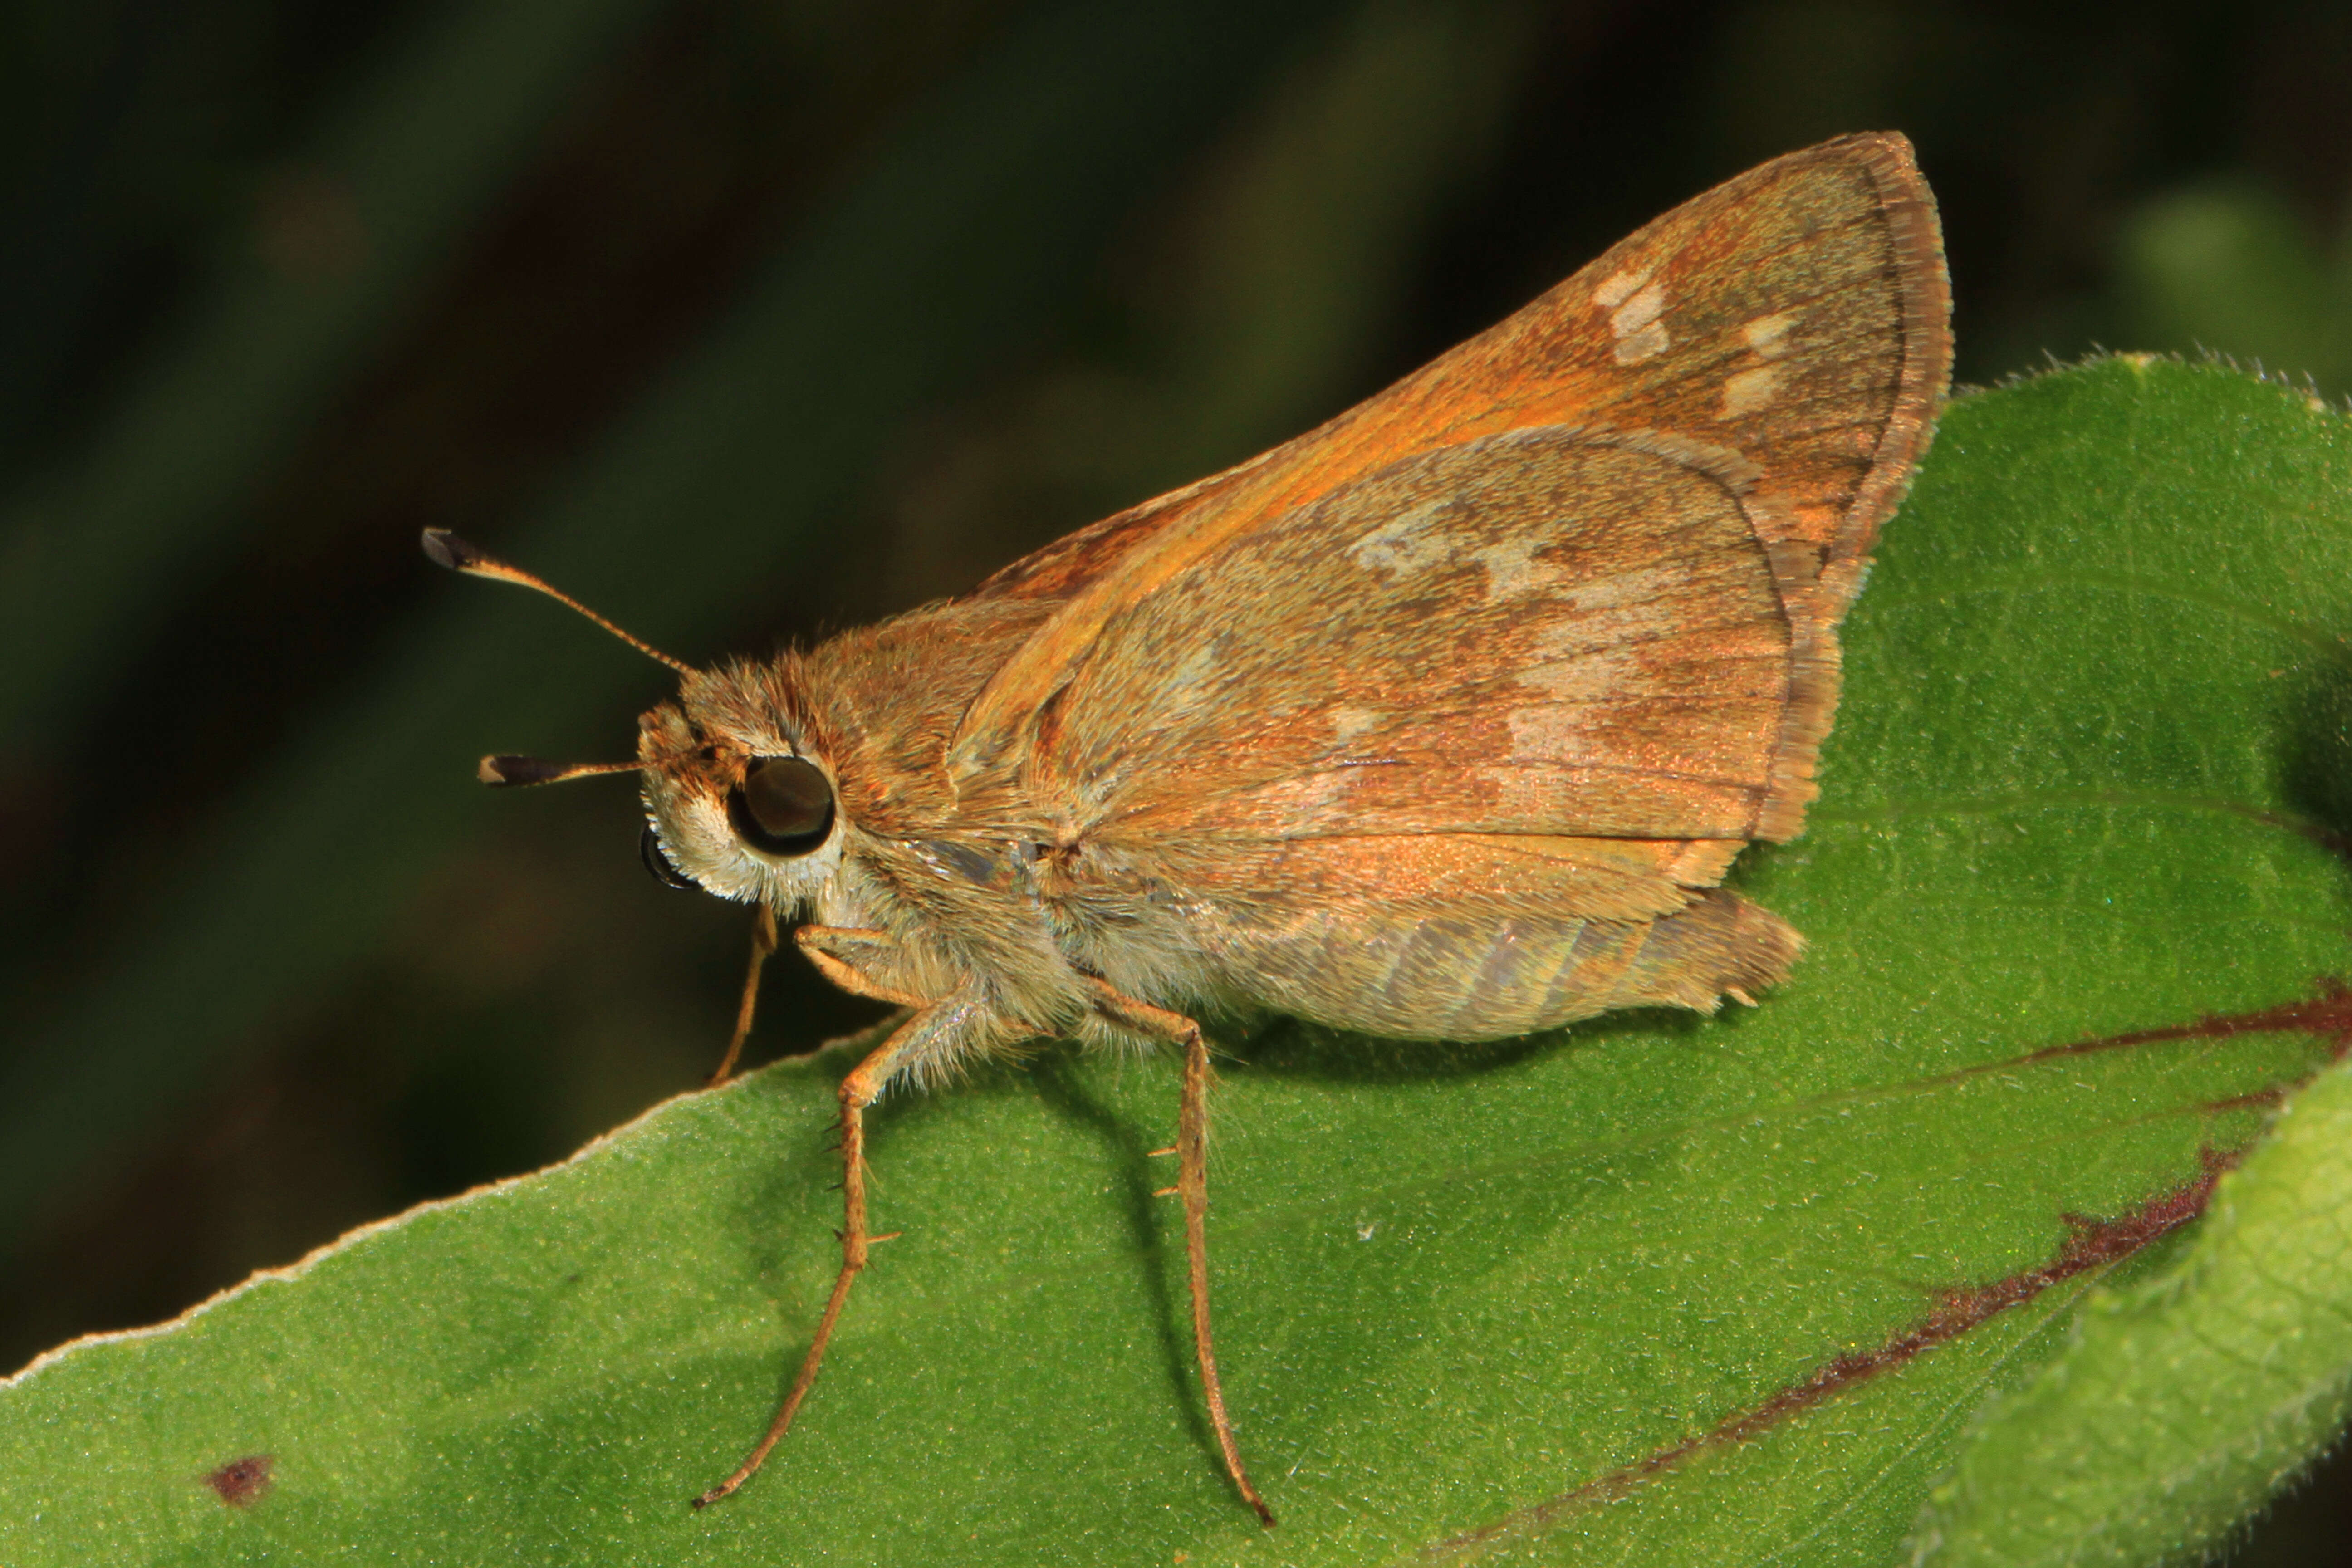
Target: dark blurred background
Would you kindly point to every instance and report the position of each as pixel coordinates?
(746, 320)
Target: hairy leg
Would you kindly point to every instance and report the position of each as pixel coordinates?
(1193, 1184)
(764, 942)
(934, 1026)
(858, 1091)
(848, 955)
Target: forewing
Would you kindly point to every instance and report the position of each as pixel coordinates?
(1761, 364)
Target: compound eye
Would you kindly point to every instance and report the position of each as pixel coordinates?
(649, 851)
(783, 807)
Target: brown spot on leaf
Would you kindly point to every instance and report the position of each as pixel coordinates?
(244, 1481)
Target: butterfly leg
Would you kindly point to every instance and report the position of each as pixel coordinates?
(845, 955)
(763, 944)
(931, 1028)
(1192, 1182)
(865, 1040)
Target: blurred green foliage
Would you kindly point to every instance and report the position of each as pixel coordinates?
(2230, 265)
(746, 319)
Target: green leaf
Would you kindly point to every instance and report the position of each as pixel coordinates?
(2181, 1403)
(1659, 1288)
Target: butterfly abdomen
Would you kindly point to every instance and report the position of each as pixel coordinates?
(1474, 978)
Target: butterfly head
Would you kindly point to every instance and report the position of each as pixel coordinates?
(737, 800)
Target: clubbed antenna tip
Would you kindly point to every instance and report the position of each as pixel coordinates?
(443, 548)
(511, 770)
(446, 551)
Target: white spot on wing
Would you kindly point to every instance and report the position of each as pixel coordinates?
(1634, 303)
(1599, 620)
(1768, 335)
(1347, 723)
(1638, 312)
(1553, 734)
(1197, 672)
(1749, 391)
(1594, 675)
(1618, 285)
(1648, 342)
(1514, 572)
(1402, 544)
(1640, 588)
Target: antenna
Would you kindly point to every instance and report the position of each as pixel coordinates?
(514, 770)
(446, 548)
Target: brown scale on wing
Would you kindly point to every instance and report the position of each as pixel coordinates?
(1797, 313)
(1527, 633)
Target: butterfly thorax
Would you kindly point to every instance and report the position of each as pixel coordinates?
(1001, 902)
